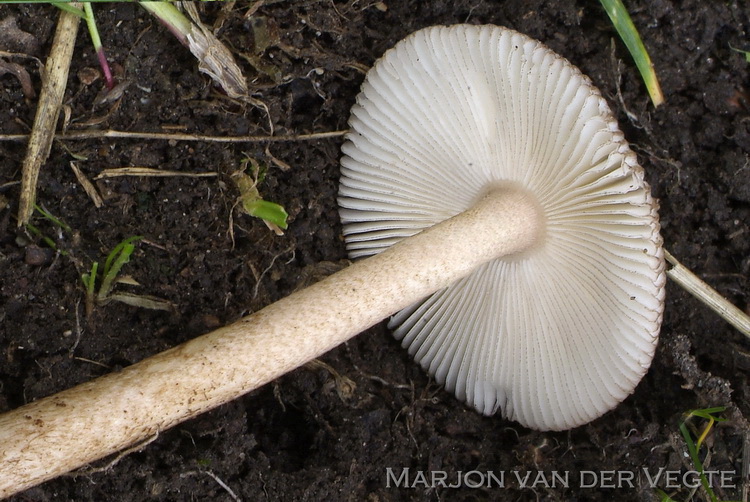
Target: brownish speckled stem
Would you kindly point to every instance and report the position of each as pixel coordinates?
(54, 435)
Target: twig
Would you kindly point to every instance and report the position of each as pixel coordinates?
(54, 81)
(707, 295)
(81, 135)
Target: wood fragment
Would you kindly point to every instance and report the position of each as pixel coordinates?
(54, 81)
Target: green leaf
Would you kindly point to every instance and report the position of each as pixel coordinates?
(620, 18)
(267, 211)
(252, 202)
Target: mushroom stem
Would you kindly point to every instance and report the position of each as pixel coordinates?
(59, 433)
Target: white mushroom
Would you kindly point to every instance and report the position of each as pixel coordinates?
(537, 213)
(560, 333)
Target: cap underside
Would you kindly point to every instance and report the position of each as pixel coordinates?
(555, 337)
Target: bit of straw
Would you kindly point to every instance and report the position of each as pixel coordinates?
(95, 134)
(88, 187)
(149, 171)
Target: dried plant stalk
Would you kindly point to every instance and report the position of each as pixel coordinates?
(54, 81)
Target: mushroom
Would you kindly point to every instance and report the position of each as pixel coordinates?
(560, 332)
(505, 222)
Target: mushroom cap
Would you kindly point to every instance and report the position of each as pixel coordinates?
(554, 336)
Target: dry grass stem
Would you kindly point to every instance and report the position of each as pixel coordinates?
(149, 171)
(54, 81)
(97, 134)
(707, 295)
(88, 187)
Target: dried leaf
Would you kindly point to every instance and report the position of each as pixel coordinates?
(110, 95)
(21, 74)
(143, 301)
(128, 280)
(214, 58)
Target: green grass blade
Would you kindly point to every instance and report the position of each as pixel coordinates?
(53, 2)
(68, 8)
(52, 218)
(116, 259)
(109, 278)
(97, 43)
(173, 19)
(629, 34)
(35, 231)
(744, 53)
(697, 461)
(708, 413)
(116, 251)
(663, 497)
(89, 280)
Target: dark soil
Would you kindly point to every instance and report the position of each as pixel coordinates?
(298, 438)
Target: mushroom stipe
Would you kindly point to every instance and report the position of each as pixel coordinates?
(504, 221)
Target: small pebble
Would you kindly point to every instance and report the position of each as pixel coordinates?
(88, 75)
(36, 256)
